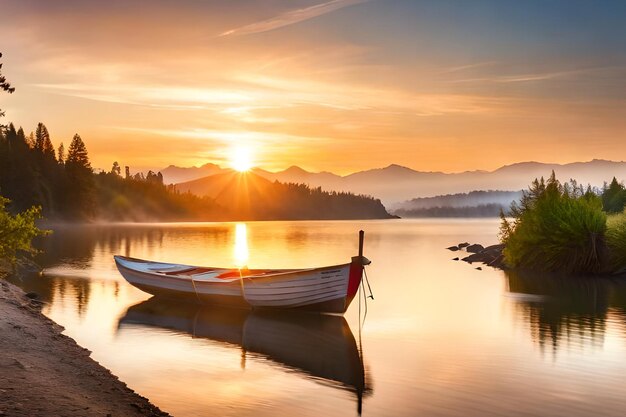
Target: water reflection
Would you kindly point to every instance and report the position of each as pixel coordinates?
(574, 310)
(241, 252)
(322, 347)
(50, 289)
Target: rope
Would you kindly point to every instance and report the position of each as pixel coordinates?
(368, 284)
(365, 297)
(193, 284)
(243, 292)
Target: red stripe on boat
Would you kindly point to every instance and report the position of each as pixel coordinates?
(354, 280)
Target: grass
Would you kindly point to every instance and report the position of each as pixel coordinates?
(557, 228)
(616, 242)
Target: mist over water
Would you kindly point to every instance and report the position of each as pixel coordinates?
(440, 338)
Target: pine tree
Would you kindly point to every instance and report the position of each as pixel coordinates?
(80, 195)
(4, 86)
(77, 154)
(43, 144)
(61, 153)
(614, 197)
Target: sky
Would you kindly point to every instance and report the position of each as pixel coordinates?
(328, 85)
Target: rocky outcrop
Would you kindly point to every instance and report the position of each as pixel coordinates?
(490, 255)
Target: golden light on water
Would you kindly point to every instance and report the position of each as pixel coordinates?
(240, 252)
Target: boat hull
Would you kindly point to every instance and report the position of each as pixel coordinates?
(329, 289)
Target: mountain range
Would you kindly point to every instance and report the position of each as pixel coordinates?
(395, 184)
(248, 196)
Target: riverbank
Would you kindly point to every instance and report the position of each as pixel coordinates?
(43, 372)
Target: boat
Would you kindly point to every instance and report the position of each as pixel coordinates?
(320, 347)
(328, 289)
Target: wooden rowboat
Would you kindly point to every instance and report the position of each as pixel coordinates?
(328, 289)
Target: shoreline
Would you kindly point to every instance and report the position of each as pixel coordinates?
(44, 372)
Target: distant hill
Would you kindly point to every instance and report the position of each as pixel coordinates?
(248, 196)
(173, 174)
(473, 198)
(394, 183)
(472, 204)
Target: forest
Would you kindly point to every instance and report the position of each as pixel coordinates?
(63, 183)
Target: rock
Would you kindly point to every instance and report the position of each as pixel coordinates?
(455, 259)
(463, 245)
(31, 295)
(494, 248)
(479, 257)
(498, 262)
(479, 268)
(475, 248)
(453, 248)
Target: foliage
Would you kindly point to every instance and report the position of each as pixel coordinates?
(4, 85)
(480, 210)
(555, 228)
(613, 197)
(80, 193)
(616, 241)
(67, 189)
(130, 199)
(17, 231)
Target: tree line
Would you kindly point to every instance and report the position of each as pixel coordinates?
(63, 183)
(32, 173)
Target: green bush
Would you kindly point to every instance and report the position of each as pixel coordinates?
(17, 232)
(556, 228)
(616, 242)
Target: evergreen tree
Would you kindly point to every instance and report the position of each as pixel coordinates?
(80, 190)
(43, 144)
(4, 85)
(614, 197)
(61, 154)
(18, 172)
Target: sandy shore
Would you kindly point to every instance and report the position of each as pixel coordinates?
(45, 373)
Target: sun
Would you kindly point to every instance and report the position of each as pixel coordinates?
(241, 159)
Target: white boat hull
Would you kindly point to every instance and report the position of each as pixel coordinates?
(327, 289)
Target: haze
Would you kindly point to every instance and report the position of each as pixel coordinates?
(341, 85)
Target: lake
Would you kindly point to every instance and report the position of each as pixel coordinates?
(440, 338)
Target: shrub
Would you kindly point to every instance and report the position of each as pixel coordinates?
(616, 242)
(556, 228)
(17, 232)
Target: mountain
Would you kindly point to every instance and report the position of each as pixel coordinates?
(248, 196)
(298, 175)
(471, 199)
(173, 174)
(472, 204)
(394, 184)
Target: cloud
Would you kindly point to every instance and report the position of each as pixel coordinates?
(291, 17)
(469, 66)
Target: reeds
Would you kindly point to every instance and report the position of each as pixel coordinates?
(616, 242)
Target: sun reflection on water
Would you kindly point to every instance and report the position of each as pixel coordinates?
(240, 252)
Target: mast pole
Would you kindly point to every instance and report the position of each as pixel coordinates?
(361, 238)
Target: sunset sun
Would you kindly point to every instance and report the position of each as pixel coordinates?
(241, 159)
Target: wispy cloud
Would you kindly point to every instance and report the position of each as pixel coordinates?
(469, 66)
(291, 17)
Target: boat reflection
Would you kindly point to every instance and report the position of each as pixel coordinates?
(322, 347)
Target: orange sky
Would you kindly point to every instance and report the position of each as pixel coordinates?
(341, 85)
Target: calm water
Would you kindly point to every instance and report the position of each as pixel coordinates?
(440, 338)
